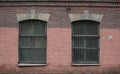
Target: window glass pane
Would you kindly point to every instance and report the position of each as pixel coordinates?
(25, 42)
(33, 56)
(92, 42)
(92, 56)
(26, 28)
(78, 42)
(78, 28)
(26, 54)
(78, 56)
(39, 42)
(91, 28)
(39, 55)
(32, 27)
(39, 28)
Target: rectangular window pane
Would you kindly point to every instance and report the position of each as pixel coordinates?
(39, 28)
(78, 56)
(92, 42)
(92, 56)
(33, 56)
(91, 29)
(39, 55)
(26, 55)
(78, 28)
(39, 42)
(26, 29)
(78, 42)
(25, 42)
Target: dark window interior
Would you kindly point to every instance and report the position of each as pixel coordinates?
(85, 42)
(32, 42)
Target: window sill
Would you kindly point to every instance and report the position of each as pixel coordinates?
(85, 64)
(32, 65)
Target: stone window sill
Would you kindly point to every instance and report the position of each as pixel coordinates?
(85, 64)
(31, 65)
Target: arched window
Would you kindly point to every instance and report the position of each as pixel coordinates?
(32, 42)
(85, 42)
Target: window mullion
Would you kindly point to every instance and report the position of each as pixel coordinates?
(33, 44)
(85, 43)
(32, 39)
(85, 50)
(33, 47)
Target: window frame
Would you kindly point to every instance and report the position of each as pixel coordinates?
(45, 36)
(86, 64)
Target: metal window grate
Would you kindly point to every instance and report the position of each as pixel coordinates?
(32, 42)
(85, 42)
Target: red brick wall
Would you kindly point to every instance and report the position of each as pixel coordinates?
(8, 47)
(59, 41)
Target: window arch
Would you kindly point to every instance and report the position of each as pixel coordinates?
(85, 42)
(32, 42)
